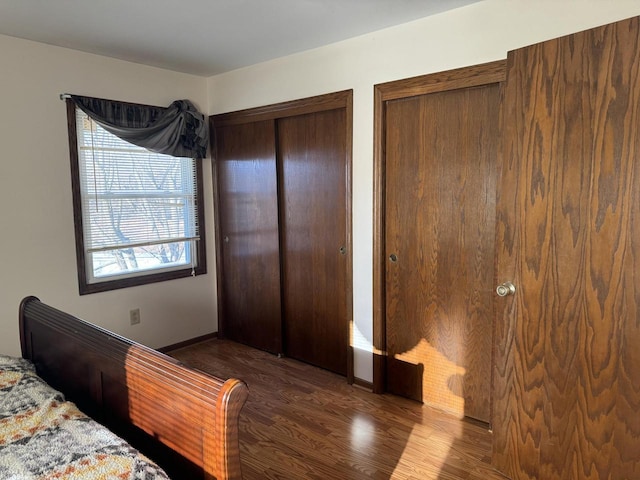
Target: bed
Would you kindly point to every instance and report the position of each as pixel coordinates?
(184, 420)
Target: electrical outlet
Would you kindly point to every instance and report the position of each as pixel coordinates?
(134, 316)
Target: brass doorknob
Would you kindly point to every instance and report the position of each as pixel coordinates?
(507, 288)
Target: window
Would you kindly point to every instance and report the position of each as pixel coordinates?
(138, 214)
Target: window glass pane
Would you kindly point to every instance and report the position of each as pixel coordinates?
(140, 259)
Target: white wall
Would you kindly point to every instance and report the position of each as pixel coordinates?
(470, 35)
(37, 246)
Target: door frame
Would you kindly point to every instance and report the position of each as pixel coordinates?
(318, 103)
(473, 76)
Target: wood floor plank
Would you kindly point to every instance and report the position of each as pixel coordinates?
(301, 422)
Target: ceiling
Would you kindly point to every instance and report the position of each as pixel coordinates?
(205, 37)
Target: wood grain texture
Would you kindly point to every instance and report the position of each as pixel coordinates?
(312, 156)
(302, 422)
(248, 239)
(465, 77)
(306, 171)
(183, 419)
(441, 173)
(567, 366)
(461, 78)
(292, 108)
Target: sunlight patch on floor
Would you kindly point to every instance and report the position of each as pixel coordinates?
(435, 456)
(363, 433)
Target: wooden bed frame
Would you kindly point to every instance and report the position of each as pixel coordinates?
(183, 419)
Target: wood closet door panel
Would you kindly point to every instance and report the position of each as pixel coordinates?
(312, 155)
(440, 182)
(249, 240)
(567, 369)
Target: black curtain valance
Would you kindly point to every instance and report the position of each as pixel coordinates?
(178, 130)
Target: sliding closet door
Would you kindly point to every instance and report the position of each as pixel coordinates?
(568, 357)
(312, 154)
(283, 216)
(248, 238)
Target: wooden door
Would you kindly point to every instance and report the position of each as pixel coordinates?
(248, 239)
(441, 160)
(312, 152)
(568, 359)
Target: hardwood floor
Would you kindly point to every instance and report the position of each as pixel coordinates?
(301, 422)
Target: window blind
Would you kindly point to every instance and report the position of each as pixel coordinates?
(139, 207)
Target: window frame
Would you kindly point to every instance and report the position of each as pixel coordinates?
(135, 279)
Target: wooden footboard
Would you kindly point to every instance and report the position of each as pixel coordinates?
(184, 419)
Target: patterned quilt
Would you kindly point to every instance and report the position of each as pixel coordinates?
(44, 437)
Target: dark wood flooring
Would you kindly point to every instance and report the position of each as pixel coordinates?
(301, 422)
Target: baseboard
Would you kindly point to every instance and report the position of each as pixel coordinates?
(358, 382)
(188, 343)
